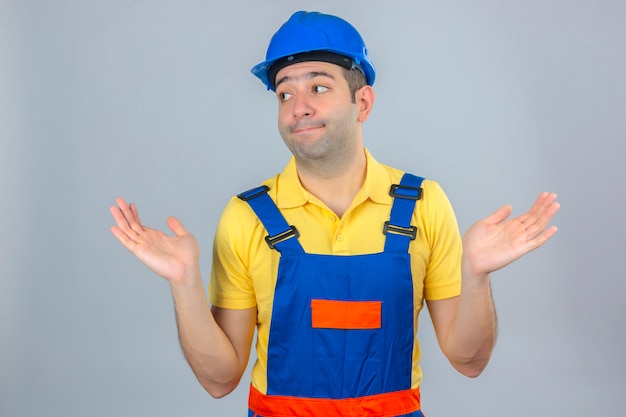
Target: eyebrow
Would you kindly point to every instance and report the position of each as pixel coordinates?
(308, 75)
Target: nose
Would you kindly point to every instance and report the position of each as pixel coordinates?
(302, 106)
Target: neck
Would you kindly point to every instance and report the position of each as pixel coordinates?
(335, 186)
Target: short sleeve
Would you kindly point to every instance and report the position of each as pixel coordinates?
(230, 285)
(443, 271)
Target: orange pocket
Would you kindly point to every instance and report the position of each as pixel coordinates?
(332, 314)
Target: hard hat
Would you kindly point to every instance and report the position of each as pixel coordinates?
(313, 36)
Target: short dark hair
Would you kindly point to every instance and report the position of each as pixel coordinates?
(356, 80)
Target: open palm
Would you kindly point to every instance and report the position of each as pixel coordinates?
(494, 242)
(171, 257)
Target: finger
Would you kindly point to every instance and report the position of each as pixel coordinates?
(499, 215)
(542, 238)
(539, 217)
(543, 202)
(176, 226)
(539, 227)
(123, 238)
(119, 217)
(547, 198)
(131, 215)
(542, 210)
(122, 225)
(122, 207)
(135, 212)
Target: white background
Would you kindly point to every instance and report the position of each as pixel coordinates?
(154, 101)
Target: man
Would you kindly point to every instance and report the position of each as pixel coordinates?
(333, 258)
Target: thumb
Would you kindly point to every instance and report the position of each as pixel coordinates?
(176, 226)
(499, 215)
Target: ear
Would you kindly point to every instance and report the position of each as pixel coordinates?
(364, 98)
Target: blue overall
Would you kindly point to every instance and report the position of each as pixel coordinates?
(310, 362)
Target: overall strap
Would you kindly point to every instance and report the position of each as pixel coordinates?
(280, 233)
(398, 229)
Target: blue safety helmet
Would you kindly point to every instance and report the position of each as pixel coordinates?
(313, 36)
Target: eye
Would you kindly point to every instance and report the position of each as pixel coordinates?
(284, 96)
(318, 89)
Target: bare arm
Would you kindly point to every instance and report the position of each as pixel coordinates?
(216, 344)
(466, 325)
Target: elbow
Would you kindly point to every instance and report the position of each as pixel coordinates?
(471, 371)
(471, 368)
(471, 361)
(218, 389)
(218, 393)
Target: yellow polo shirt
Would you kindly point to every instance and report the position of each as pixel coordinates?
(244, 270)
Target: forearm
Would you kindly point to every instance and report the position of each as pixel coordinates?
(208, 350)
(467, 328)
(472, 334)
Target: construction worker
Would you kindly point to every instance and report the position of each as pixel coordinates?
(331, 260)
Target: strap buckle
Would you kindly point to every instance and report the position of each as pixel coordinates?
(253, 193)
(410, 231)
(272, 241)
(414, 193)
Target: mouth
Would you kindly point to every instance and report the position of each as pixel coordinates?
(306, 128)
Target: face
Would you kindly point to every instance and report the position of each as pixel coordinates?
(317, 117)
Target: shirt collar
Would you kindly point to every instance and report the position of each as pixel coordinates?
(290, 193)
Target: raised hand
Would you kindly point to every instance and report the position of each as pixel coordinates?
(172, 257)
(495, 242)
